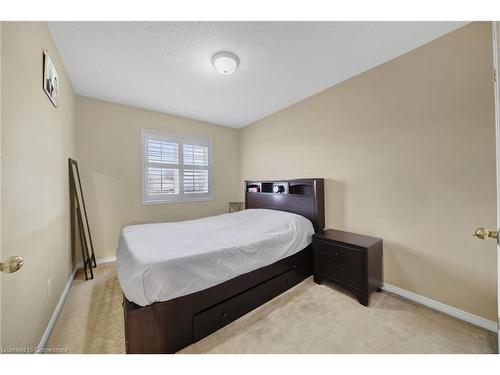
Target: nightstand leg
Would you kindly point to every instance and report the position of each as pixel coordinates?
(379, 290)
(317, 279)
(364, 299)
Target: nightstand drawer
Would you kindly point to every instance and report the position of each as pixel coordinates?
(339, 254)
(341, 273)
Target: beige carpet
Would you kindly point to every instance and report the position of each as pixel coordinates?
(309, 318)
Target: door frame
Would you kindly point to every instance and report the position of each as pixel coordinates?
(495, 25)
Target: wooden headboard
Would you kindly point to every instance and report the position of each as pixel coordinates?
(303, 196)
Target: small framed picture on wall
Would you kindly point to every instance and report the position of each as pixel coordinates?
(50, 79)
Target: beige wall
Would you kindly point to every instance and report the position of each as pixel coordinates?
(408, 153)
(109, 154)
(37, 140)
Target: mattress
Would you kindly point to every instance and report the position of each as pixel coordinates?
(159, 262)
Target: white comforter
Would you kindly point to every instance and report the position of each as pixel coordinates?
(158, 262)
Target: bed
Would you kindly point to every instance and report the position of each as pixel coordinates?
(183, 281)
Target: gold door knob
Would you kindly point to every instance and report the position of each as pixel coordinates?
(485, 233)
(11, 264)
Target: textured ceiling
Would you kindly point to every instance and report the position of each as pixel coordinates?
(165, 66)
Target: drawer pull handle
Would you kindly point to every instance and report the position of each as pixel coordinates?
(223, 315)
(336, 253)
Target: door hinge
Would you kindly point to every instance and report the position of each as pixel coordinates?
(494, 75)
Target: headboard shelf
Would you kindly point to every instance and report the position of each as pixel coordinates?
(303, 196)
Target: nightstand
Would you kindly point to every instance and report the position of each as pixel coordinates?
(352, 261)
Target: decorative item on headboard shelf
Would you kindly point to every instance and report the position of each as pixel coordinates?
(277, 188)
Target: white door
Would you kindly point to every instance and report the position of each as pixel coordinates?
(486, 233)
(483, 233)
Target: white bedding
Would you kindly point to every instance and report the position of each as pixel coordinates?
(158, 262)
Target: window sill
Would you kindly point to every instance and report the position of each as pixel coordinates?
(185, 200)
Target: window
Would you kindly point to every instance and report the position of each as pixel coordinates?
(175, 168)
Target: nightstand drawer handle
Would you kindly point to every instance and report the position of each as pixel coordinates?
(336, 253)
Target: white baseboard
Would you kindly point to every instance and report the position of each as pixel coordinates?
(55, 314)
(106, 260)
(60, 304)
(447, 309)
(98, 261)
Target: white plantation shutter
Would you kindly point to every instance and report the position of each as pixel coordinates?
(195, 181)
(195, 155)
(175, 168)
(195, 174)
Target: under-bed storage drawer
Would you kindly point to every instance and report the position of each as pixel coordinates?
(216, 317)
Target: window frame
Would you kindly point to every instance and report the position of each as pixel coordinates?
(181, 140)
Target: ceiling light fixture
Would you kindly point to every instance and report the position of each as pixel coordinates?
(225, 62)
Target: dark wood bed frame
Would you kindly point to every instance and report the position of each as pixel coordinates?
(167, 327)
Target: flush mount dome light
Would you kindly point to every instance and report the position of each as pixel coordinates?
(225, 62)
